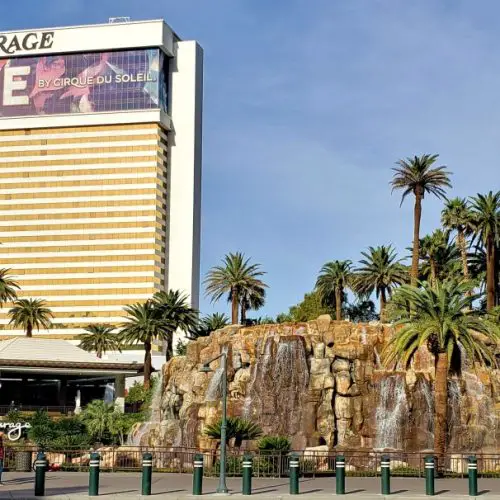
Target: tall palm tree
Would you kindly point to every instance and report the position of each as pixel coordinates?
(485, 211)
(418, 176)
(100, 339)
(143, 325)
(380, 272)
(456, 216)
(235, 277)
(174, 309)
(8, 287)
(440, 317)
(29, 314)
(253, 299)
(332, 282)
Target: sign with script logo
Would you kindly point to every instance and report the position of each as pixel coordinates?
(15, 429)
(25, 42)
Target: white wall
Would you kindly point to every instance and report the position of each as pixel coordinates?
(185, 142)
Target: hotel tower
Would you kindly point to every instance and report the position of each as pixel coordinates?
(100, 167)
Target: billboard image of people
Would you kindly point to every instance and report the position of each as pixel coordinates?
(83, 83)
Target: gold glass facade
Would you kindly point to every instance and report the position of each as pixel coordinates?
(83, 218)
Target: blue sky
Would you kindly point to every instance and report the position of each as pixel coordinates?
(308, 104)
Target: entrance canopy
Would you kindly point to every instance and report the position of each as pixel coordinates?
(57, 375)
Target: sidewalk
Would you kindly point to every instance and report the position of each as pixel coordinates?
(126, 486)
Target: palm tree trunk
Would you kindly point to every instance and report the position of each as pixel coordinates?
(243, 314)
(234, 307)
(441, 407)
(432, 263)
(147, 364)
(490, 273)
(417, 215)
(29, 330)
(462, 246)
(338, 304)
(169, 354)
(383, 302)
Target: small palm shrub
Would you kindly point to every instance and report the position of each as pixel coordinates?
(274, 444)
(237, 428)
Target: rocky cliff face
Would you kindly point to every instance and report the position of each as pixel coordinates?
(320, 383)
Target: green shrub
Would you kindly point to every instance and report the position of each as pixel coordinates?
(237, 428)
(274, 444)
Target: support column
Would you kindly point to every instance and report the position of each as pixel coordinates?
(120, 392)
(63, 392)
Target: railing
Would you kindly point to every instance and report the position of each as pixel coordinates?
(59, 410)
(269, 464)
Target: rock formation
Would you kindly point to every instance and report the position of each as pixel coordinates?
(321, 383)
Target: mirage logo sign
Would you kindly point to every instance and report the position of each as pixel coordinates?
(14, 431)
(19, 43)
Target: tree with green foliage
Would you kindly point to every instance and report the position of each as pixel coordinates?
(98, 418)
(361, 311)
(236, 278)
(380, 272)
(308, 309)
(237, 428)
(440, 317)
(485, 210)
(418, 176)
(252, 299)
(208, 324)
(29, 314)
(144, 325)
(176, 313)
(100, 338)
(457, 216)
(440, 258)
(8, 287)
(333, 280)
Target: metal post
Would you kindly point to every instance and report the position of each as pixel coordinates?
(40, 468)
(294, 474)
(247, 474)
(385, 474)
(340, 475)
(222, 487)
(94, 474)
(472, 476)
(429, 475)
(147, 470)
(198, 474)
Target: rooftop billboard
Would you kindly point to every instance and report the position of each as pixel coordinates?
(83, 83)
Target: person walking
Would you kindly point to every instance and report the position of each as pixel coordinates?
(2, 456)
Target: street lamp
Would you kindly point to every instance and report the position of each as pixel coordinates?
(222, 488)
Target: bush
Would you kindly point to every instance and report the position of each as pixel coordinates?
(274, 445)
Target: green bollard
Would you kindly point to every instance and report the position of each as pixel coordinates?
(294, 474)
(340, 475)
(429, 475)
(385, 474)
(472, 476)
(94, 474)
(40, 469)
(198, 474)
(247, 474)
(147, 471)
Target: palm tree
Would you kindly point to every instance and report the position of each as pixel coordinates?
(144, 325)
(100, 339)
(29, 314)
(236, 277)
(208, 324)
(174, 309)
(332, 281)
(237, 428)
(485, 211)
(456, 216)
(98, 418)
(252, 299)
(8, 287)
(418, 176)
(380, 272)
(440, 317)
